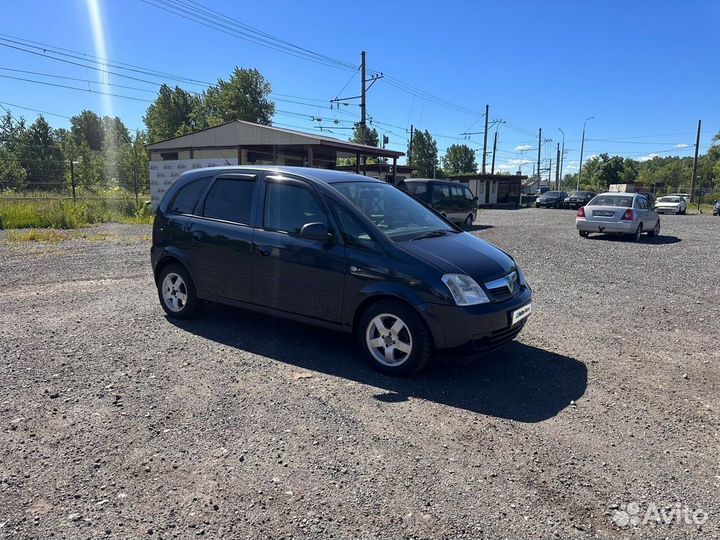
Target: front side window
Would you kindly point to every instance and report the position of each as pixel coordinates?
(355, 234)
(468, 194)
(230, 199)
(187, 196)
(288, 207)
(457, 193)
(396, 214)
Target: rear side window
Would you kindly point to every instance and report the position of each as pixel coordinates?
(440, 194)
(418, 189)
(457, 193)
(230, 199)
(288, 207)
(187, 196)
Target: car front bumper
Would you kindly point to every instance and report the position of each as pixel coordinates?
(668, 210)
(610, 227)
(471, 331)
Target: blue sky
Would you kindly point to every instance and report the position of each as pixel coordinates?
(646, 70)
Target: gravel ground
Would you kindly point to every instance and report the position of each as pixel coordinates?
(118, 423)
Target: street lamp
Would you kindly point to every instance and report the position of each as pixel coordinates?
(562, 154)
(582, 147)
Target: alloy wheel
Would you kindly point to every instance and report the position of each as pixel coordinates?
(389, 340)
(174, 292)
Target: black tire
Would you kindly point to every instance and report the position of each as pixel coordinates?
(182, 290)
(637, 235)
(537, 205)
(656, 229)
(469, 221)
(584, 234)
(414, 331)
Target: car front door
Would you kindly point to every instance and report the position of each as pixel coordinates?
(220, 237)
(291, 273)
(441, 200)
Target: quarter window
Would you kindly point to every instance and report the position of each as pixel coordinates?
(288, 207)
(187, 196)
(230, 199)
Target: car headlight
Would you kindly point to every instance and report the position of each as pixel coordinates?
(465, 290)
(521, 275)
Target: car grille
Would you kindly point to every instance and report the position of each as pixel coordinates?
(498, 337)
(504, 288)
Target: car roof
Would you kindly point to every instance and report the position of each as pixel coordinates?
(618, 193)
(436, 180)
(328, 176)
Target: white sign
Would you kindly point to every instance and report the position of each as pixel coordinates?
(164, 173)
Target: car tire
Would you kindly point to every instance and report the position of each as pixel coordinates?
(176, 291)
(385, 325)
(469, 221)
(656, 229)
(583, 234)
(637, 235)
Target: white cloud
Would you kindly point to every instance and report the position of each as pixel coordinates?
(513, 165)
(523, 148)
(682, 145)
(648, 157)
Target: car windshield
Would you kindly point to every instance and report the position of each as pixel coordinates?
(394, 212)
(669, 199)
(551, 194)
(612, 200)
(579, 194)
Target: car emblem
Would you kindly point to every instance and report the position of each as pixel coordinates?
(510, 278)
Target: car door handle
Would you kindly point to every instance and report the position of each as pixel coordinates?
(264, 251)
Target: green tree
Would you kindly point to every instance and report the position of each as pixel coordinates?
(371, 136)
(244, 97)
(41, 156)
(174, 112)
(133, 165)
(425, 155)
(87, 127)
(12, 173)
(459, 159)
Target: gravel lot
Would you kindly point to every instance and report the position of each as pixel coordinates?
(118, 423)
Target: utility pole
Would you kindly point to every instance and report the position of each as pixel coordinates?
(582, 147)
(72, 177)
(492, 167)
(694, 169)
(562, 153)
(550, 174)
(412, 132)
(557, 169)
(135, 175)
(538, 160)
(363, 110)
(487, 119)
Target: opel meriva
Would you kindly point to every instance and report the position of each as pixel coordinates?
(339, 250)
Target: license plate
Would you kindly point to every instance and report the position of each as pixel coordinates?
(519, 314)
(603, 213)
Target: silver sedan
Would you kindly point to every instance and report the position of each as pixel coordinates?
(618, 213)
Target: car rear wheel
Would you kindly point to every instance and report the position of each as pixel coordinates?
(177, 292)
(637, 234)
(393, 338)
(584, 234)
(656, 229)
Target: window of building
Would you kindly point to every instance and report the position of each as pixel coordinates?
(169, 156)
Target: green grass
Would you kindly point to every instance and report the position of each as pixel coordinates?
(45, 210)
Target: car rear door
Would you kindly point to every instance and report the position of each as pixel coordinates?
(221, 237)
(290, 273)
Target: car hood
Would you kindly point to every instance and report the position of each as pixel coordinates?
(462, 253)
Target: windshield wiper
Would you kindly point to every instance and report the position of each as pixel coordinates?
(432, 234)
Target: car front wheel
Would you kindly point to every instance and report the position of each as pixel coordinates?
(469, 221)
(393, 338)
(177, 292)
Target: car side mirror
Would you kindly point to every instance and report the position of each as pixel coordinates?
(475, 198)
(316, 231)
